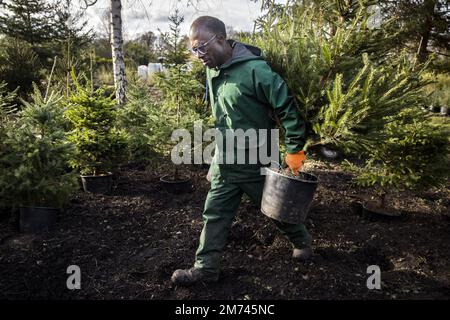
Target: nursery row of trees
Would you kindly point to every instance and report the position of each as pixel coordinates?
(65, 130)
(360, 83)
(33, 33)
(36, 31)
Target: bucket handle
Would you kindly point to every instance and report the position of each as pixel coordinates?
(277, 163)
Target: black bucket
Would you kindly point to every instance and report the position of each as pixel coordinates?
(97, 184)
(37, 219)
(287, 199)
(183, 185)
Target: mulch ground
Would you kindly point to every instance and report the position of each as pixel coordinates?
(128, 243)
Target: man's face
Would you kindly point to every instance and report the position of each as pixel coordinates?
(213, 54)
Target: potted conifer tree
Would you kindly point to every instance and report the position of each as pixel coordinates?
(100, 146)
(182, 94)
(355, 93)
(412, 155)
(34, 170)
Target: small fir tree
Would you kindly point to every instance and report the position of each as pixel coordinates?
(34, 156)
(182, 92)
(353, 91)
(100, 146)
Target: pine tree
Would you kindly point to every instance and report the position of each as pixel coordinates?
(182, 92)
(412, 155)
(28, 20)
(70, 25)
(45, 26)
(34, 154)
(424, 24)
(174, 45)
(353, 91)
(339, 70)
(19, 65)
(100, 146)
(7, 105)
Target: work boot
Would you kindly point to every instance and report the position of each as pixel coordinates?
(193, 275)
(302, 254)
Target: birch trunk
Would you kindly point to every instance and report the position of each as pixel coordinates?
(427, 27)
(117, 51)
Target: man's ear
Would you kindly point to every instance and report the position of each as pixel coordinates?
(221, 40)
(221, 37)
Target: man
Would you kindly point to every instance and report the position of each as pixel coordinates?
(244, 91)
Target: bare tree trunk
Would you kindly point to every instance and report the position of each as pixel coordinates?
(424, 39)
(426, 29)
(117, 51)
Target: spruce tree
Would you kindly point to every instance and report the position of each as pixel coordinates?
(28, 20)
(354, 92)
(34, 155)
(44, 26)
(424, 24)
(182, 92)
(19, 65)
(7, 105)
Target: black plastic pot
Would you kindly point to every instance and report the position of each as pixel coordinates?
(97, 184)
(37, 219)
(371, 212)
(434, 109)
(286, 198)
(176, 186)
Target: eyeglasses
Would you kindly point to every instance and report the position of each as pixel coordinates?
(201, 49)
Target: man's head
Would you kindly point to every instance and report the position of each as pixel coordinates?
(208, 39)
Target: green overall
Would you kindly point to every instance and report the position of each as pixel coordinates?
(245, 93)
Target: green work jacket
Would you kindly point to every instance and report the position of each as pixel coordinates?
(246, 94)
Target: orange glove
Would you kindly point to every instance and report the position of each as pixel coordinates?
(295, 161)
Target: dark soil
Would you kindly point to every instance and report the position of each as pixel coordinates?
(128, 243)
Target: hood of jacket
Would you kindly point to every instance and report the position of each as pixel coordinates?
(242, 52)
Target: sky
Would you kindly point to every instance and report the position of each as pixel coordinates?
(140, 16)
